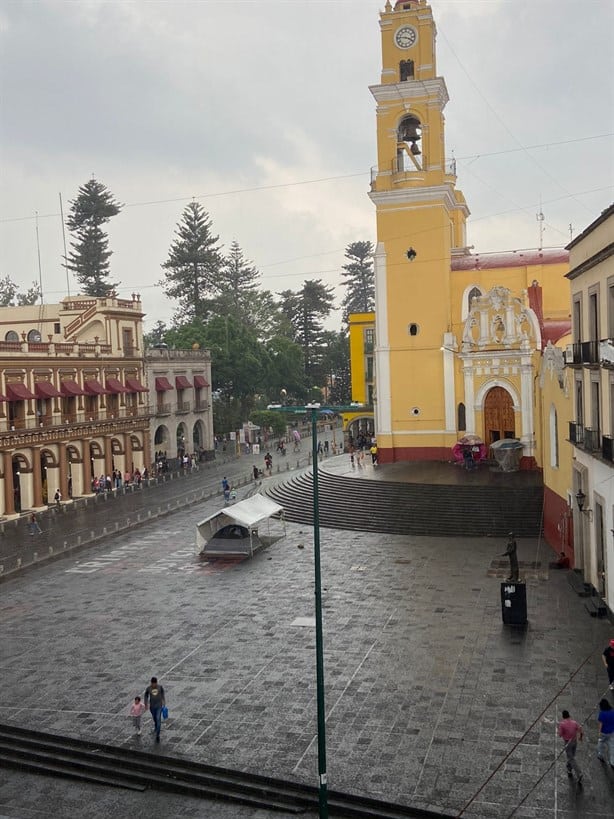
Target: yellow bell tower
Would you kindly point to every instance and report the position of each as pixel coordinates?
(420, 222)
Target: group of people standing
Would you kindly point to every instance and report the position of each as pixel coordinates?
(571, 732)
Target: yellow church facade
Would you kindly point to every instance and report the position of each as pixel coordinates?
(459, 335)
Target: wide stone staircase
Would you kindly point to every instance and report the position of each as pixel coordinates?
(412, 508)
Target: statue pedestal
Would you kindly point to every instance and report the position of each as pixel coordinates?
(514, 603)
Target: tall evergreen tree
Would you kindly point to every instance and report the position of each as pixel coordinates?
(90, 254)
(359, 279)
(306, 311)
(237, 286)
(193, 265)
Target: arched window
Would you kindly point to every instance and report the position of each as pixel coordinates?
(554, 438)
(461, 419)
(406, 70)
(34, 336)
(474, 293)
(471, 292)
(409, 134)
(11, 336)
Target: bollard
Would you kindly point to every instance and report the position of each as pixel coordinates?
(91, 534)
(66, 544)
(51, 550)
(79, 540)
(104, 530)
(35, 556)
(19, 563)
(149, 513)
(116, 526)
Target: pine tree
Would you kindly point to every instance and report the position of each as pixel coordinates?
(90, 254)
(193, 265)
(306, 311)
(237, 286)
(360, 279)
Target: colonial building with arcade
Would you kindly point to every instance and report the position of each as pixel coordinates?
(73, 400)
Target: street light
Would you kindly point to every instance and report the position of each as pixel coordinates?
(322, 778)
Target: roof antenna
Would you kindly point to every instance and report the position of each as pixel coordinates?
(540, 219)
(64, 240)
(38, 250)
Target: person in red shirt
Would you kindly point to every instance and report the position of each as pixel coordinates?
(570, 732)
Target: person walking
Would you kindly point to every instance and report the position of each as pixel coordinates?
(136, 712)
(608, 661)
(373, 452)
(226, 489)
(57, 498)
(570, 732)
(154, 700)
(35, 529)
(605, 743)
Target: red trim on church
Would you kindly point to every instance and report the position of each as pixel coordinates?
(510, 258)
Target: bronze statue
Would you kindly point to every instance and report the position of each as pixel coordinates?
(510, 551)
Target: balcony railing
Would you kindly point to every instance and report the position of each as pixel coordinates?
(592, 440)
(201, 406)
(590, 352)
(58, 419)
(163, 409)
(607, 448)
(576, 433)
(183, 407)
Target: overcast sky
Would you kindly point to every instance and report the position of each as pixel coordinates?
(261, 110)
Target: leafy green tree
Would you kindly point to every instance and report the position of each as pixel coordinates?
(90, 254)
(359, 279)
(306, 311)
(336, 367)
(285, 370)
(156, 335)
(10, 295)
(193, 265)
(267, 418)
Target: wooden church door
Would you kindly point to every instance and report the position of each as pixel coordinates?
(498, 415)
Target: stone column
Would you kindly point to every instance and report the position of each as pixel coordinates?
(86, 468)
(127, 452)
(146, 449)
(63, 478)
(9, 487)
(108, 456)
(37, 483)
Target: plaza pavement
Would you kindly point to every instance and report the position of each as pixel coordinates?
(426, 691)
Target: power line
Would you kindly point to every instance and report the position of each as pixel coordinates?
(298, 183)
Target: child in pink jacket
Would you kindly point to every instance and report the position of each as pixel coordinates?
(136, 710)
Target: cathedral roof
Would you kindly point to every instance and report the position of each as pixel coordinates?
(509, 258)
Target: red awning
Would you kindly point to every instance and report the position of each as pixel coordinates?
(45, 389)
(18, 392)
(93, 387)
(162, 384)
(115, 386)
(134, 385)
(200, 381)
(182, 383)
(71, 389)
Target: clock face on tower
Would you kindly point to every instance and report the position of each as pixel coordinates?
(406, 37)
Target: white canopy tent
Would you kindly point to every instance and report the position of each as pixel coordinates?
(249, 514)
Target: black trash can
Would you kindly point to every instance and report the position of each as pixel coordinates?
(514, 603)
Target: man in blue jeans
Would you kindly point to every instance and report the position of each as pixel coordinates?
(154, 700)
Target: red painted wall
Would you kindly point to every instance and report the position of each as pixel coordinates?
(558, 524)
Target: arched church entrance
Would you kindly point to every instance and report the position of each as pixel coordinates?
(499, 421)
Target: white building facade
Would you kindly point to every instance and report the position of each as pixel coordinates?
(592, 430)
